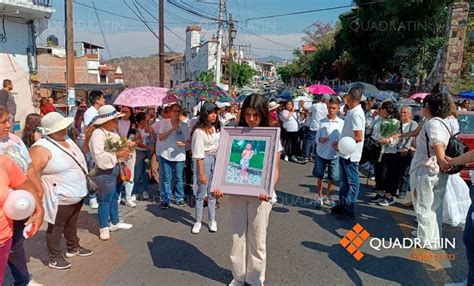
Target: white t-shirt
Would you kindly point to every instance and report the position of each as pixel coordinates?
(437, 134)
(169, 150)
(124, 127)
(290, 123)
(328, 129)
(354, 121)
(204, 143)
(89, 115)
(156, 128)
(318, 112)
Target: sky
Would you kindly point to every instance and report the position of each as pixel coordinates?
(123, 36)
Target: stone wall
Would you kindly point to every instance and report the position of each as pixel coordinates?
(452, 58)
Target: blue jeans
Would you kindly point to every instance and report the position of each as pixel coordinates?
(17, 257)
(140, 173)
(168, 168)
(108, 197)
(468, 239)
(348, 184)
(309, 142)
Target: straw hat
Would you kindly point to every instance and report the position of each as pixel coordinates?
(54, 122)
(106, 113)
(272, 106)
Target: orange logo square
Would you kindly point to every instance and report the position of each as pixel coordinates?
(354, 239)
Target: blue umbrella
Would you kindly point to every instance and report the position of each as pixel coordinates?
(469, 94)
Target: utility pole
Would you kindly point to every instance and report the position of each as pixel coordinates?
(232, 34)
(70, 76)
(162, 42)
(219, 40)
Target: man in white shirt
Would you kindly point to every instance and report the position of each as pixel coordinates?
(314, 114)
(97, 100)
(354, 127)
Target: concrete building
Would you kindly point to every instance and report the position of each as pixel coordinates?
(22, 22)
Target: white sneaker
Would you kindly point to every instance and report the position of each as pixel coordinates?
(120, 225)
(213, 226)
(133, 198)
(93, 203)
(130, 203)
(286, 159)
(145, 195)
(104, 233)
(196, 228)
(236, 283)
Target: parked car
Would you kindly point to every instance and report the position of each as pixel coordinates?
(466, 130)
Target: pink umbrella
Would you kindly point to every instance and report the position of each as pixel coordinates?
(170, 98)
(142, 96)
(420, 95)
(320, 89)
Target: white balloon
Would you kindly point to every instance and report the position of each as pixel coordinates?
(346, 145)
(19, 205)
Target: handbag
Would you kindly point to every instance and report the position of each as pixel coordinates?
(92, 186)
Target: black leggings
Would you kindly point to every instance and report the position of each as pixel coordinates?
(291, 142)
(387, 174)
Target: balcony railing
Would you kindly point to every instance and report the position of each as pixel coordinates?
(44, 3)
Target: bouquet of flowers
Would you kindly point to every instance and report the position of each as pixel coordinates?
(389, 126)
(113, 146)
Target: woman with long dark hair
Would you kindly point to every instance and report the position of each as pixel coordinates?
(205, 141)
(30, 133)
(249, 215)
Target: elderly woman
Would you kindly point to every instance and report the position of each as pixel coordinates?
(426, 176)
(405, 150)
(174, 137)
(63, 168)
(107, 169)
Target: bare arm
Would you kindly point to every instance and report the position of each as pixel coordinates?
(462, 160)
(33, 177)
(440, 156)
(358, 135)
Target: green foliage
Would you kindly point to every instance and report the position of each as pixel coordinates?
(375, 33)
(285, 73)
(466, 82)
(207, 76)
(258, 146)
(242, 74)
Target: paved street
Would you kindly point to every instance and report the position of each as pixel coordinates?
(303, 246)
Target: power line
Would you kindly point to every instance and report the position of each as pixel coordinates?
(107, 12)
(101, 30)
(311, 11)
(265, 38)
(145, 23)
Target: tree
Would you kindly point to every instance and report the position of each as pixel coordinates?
(207, 76)
(285, 73)
(376, 32)
(242, 74)
(466, 81)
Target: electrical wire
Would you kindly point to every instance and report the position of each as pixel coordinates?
(146, 24)
(311, 11)
(3, 37)
(101, 30)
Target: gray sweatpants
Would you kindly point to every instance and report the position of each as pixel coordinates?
(201, 191)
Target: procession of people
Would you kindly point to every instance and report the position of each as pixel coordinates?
(123, 149)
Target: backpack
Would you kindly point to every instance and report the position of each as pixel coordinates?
(455, 148)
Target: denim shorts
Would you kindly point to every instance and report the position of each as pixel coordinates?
(332, 165)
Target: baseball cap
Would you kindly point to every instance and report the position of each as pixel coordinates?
(209, 106)
(325, 97)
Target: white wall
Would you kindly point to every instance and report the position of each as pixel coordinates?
(14, 65)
